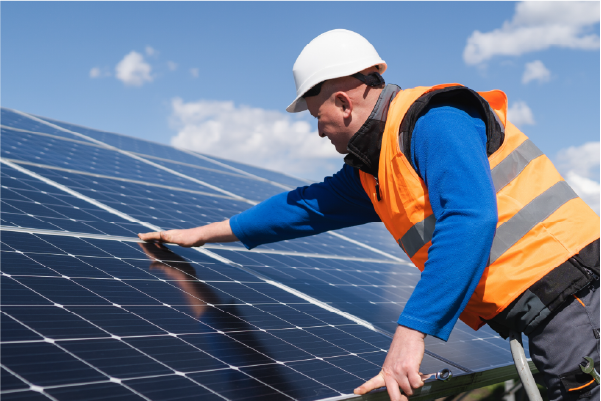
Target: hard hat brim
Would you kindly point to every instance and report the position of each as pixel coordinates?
(299, 104)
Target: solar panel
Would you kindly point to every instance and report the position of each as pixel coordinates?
(89, 312)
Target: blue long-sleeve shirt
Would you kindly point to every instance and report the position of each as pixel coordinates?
(448, 150)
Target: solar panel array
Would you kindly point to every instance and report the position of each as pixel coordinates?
(88, 312)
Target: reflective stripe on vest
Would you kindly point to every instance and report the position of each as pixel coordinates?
(514, 163)
(530, 215)
(418, 236)
(505, 172)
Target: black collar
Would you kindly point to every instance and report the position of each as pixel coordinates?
(364, 146)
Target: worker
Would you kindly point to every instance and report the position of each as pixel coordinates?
(499, 236)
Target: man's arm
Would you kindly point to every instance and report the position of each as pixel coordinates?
(337, 202)
(449, 153)
(198, 236)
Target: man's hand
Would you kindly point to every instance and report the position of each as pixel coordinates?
(198, 236)
(401, 367)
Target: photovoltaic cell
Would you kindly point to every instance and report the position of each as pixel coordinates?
(91, 318)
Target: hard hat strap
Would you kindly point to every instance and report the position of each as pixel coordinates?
(314, 91)
(371, 79)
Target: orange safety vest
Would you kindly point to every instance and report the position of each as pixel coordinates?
(541, 220)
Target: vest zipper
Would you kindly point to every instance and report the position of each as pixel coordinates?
(378, 189)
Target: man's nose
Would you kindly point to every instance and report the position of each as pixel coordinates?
(321, 134)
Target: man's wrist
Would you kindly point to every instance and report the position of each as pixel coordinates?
(412, 332)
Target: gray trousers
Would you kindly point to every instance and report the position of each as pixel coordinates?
(558, 345)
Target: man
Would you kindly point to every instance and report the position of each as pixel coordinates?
(477, 207)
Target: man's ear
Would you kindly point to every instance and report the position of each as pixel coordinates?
(344, 103)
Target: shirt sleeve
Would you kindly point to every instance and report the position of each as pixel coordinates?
(448, 151)
(337, 202)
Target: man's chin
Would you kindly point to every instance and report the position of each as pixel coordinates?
(343, 151)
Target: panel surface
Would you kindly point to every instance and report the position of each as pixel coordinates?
(101, 317)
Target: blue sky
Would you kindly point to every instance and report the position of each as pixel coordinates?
(216, 77)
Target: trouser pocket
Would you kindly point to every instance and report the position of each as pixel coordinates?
(577, 383)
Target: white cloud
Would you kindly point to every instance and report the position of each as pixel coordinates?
(520, 114)
(150, 51)
(95, 72)
(536, 71)
(579, 166)
(171, 65)
(537, 25)
(194, 72)
(263, 138)
(98, 72)
(133, 70)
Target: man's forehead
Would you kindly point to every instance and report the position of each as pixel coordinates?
(313, 104)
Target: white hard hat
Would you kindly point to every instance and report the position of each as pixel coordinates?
(333, 54)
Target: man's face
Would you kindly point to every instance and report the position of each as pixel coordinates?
(331, 121)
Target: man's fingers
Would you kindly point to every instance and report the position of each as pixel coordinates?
(403, 383)
(372, 384)
(393, 388)
(415, 379)
(161, 236)
(424, 377)
(153, 236)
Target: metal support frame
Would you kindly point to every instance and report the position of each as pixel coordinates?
(464, 382)
(433, 388)
(521, 364)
